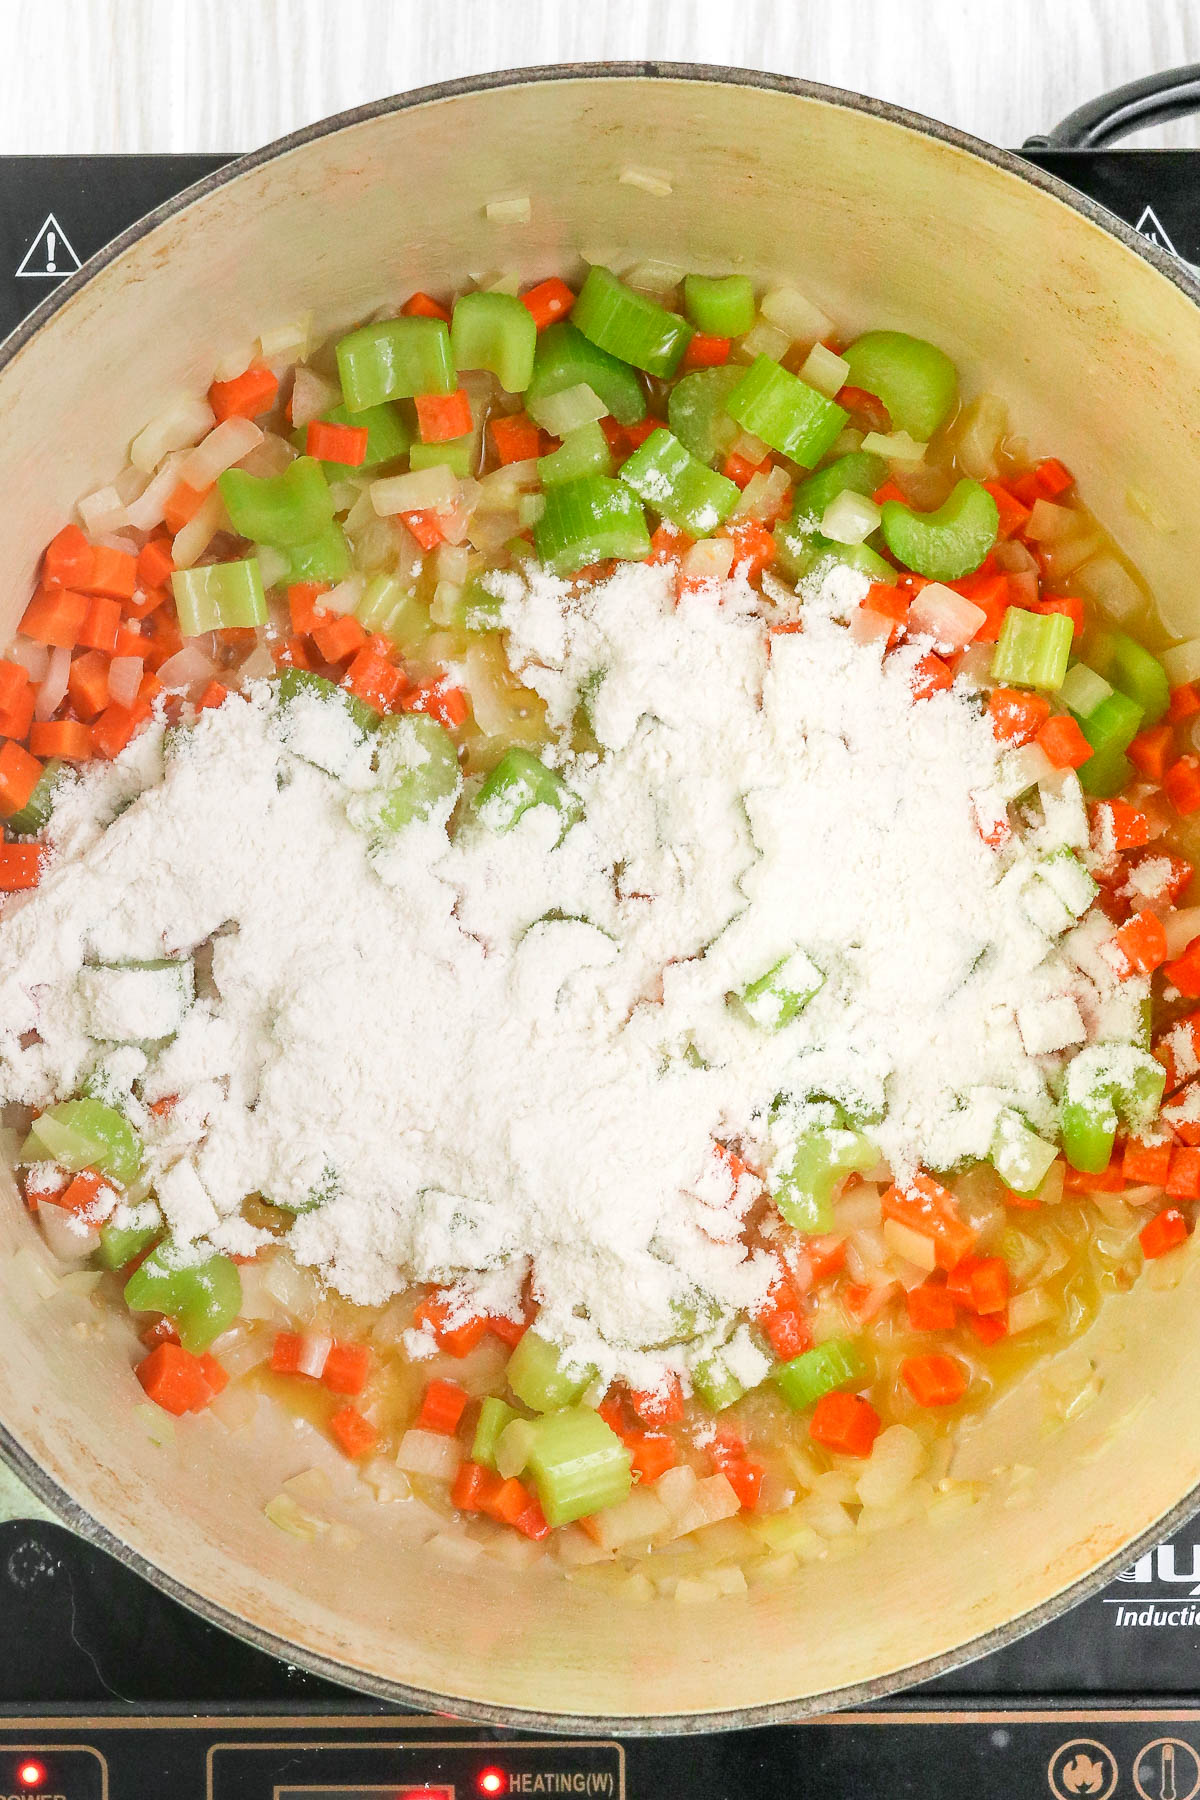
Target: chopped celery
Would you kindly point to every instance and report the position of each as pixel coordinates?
(538, 1378)
(565, 358)
(455, 455)
(785, 412)
(201, 1298)
(858, 472)
(494, 1417)
(1109, 729)
(1019, 1156)
(417, 764)
(295, 682)
(830, 1365)
(586, 521)
(325, 557)
(1082, 690)
(781, 995)
(495, 332)
(285, 509)
(1107, 1085)
(85, 1134)
(34, 816)
(1068, 880)
(1033, 649)
(1132, 669)
(798, 551)
(696, 411)
(119, 1244)
(518, 782)
(678, 486)
(826, 1148)
(916, 381)
(389, 606)
(579, 1465)
(720, 305)
(630, 326)
(583, 451)
(219, 597)
(394, 359)
(949, 542)
(716, 1383)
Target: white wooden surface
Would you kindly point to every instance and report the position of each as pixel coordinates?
(124, 75)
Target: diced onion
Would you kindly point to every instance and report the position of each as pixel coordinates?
(233, 364)
(895, 446)
(53, 689)
(103, 511)
(633, 1521)
(147, 510)
(765, 497)
(1180, 928)
(443, 608)
(271, 457)
(825, 371)
(912, 1245)
(33, 658)
(225, 445)
(314, 1353)
(657, 278)
(1109, 583)
(650, 181)
(944, 615)
(751, 448)
(124, 679)
(1023, 587)
(1063, 557)
(850, 518)
(451, 562)
(498, 491)
(765, 339)
(311, 396)
(504, 283)
(186, 669)
(517, 211)
(1049, 524)
(1182, 662)
(421, 491)
(258, 666)
(190, 543)
(182, 424)
(1013, 556)
(709, 560)
(787, 308)
(288, 1515)
(567, 411)
(895, 1462)
(68, 1240)
(984, 425)
(346, 596)
(289, 339)
(429, 1453)
(867, 627)
(1030, 1308)
(240, 1350)
(273, 564)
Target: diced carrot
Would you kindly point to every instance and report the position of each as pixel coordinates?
(14, 681)
(980, 1283)
(17, 717)
(1150, 751)
(356, 1435)
(1106, 1181)
(866, 406)
(1027, 487)
(213, 695)
(989, 1328)
(426, 527)
(19, 775)
(133, 643)
(1053, 478)
(652, 1453)
(929, 676)
(1184, 704)
(1183, 1176)
(443, 417)
(68, 559)
(471, 1486)
(507, 1502)
(112, 572)
(159, 1331)
(889, 490)
(55, 616)
(247, 396)
(347, 1368)
(1181, 783)
(216, 1376)
(1163, 1232)
(754, 547)
(1015, 716)
(531, 1521)
(993, 594)
(1172, 873)
(442, 1408)
(457, 1340)
(302, 604)
(339, 638)
(668, 544)
(705, 351)
(176, 1380)
(100, 627)
(1146, 1164)
(345, 444)
(515, 437)
(745, 1476)
(65, 738)
(1126, 826)
(182, 504)
(509, 1331)
(741, 470)
(548, 301)
(155, 563)
(826, 1255)
(286, 1352)
(1184, 972)
(659, 1406)
(1063, 742)
(1142, 944)
(934, 1380)
(845, 1423)
(1014, 515)
(424, 306)
(448, 705)
(375, 680)
(20, 867)
(636, 435)
(931, 1308)
(930, 1209)
(149, 688)
(787, 1330)
(115, 726)
(1070, 605)
(725, 1446)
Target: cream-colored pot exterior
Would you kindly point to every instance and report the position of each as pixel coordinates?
(881, 220)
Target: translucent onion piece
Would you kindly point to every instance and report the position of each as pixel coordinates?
(190, 544)
(984, 426)
(314, 1353)
(311, 396)
(271, 457)
(182, 424)
(825, 371)
(146, 511)
(69, 1240)
(787, 308)
(124, 679)
(345, 597)
(233, 364)
(103, 511)
(33, 658)
(945, 616)
(186, 669)
(434, 489)
(429, 1453)
(227, 444)
(53, 689)
(291, 338)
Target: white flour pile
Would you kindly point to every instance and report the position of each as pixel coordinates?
(503, 1053)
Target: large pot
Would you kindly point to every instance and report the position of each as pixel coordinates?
(884, 219)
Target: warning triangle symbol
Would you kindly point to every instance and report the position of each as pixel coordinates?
(50, 255)
(1151, 226)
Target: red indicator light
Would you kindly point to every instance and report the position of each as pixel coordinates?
(31, 1774)
(492, 1781)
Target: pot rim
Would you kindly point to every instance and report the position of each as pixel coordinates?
(65, 1508)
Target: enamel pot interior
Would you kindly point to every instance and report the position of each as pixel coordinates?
(1098, 351)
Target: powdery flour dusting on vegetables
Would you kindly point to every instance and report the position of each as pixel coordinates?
(508, 1053)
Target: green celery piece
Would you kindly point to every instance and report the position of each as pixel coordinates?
(519, 781)
(588, 520)
(715, 1382)
(1019, 1156)
(1082, 690)
(781, 995)
(565, 358)
(798, 552)
(1107, 1085)
(34, 816)
(285, 509)
(388, 435)
(1133, 671)
(455, 454)
(785, 412)
(579, 1465)
(803, 1380)
(325, 557)
(119, 1244)
(678, 486)
(858, 472)
(1106, 774)
(949, 542)
(826, 1150)
(1109, 729)
(629, 326)
(1066, 876)
(696, 411)
(495, 332)
(294, 682)
(494, 1417)
(202, 1299)
(85, 1134)
(515, 1446)
(916, 381)
(219, 597)
(384, 605)
(720, 305)
(1033, 649)
(536, 1375)
(418, 767)
(395, 359)
(583, 451)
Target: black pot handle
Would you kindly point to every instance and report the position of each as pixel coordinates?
(1150, 101)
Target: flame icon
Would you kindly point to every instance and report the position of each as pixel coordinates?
(1082, 1775)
